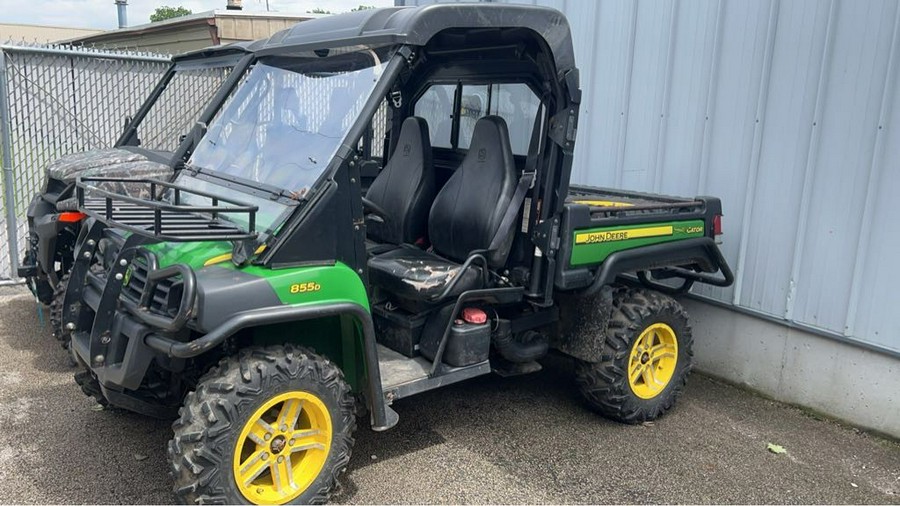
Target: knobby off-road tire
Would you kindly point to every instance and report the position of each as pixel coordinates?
(643, 327)
(56, 312)
(218, 435)
(91, 387)
(57, 326)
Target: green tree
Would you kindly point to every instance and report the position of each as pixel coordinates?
(362, 8)
(165, 12)
(319, 10)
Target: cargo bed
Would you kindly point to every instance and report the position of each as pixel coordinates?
(606, 200)
(606, 233)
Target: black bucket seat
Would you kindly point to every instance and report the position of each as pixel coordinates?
(405, 188)
(464, 219)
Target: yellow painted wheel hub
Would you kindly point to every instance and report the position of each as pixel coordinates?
(652, 362)
(282, 448)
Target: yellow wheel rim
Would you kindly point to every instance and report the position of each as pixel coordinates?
(282, 448)
(652, 362)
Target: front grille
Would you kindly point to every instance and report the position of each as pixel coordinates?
(167, 295)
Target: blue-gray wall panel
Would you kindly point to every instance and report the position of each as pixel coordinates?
(788, 117)
(787, 110)
(740, 61)
(874, 315)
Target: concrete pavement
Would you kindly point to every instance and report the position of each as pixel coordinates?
(490, 440)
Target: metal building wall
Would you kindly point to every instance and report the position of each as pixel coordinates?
(789, 110)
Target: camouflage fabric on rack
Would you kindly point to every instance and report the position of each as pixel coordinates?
(110, 163)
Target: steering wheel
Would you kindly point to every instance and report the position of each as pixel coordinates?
(373, 208)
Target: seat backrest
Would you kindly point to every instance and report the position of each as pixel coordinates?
(468, 210)
(405, 187)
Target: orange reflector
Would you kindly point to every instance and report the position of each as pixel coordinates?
(71, 217)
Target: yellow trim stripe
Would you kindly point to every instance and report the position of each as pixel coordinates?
(227, 256)
(603, 203)
(622, 235)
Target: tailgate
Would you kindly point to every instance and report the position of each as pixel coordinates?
(598, 222)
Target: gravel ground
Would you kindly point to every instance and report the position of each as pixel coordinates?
(490, 440)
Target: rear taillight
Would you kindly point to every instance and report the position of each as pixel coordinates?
(717, 224)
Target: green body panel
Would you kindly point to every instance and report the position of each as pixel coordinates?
(310, 284)
(296, 285)
(339, 338)
(594, 245)
(193, 254)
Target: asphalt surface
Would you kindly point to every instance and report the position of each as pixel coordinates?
(490, 440)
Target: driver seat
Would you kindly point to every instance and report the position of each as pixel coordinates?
(405, 188)
(465, 217)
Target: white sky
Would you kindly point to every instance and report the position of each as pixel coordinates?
(102, 13)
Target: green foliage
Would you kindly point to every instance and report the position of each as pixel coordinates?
(319, 10)
(165, 12)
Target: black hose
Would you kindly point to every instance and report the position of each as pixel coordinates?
(532, 346)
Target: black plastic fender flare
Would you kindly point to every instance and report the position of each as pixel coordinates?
(383, 417)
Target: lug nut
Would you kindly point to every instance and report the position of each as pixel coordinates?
(87, 254)
(70, 326)
(123, 262)
(91, 242)
(119, 276)
(291, 442)
(265, 456)
(99, 359)
(280, 459)
(284, 428)
(105, 340)
(267, 437)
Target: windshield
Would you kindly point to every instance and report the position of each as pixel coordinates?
(288, 118)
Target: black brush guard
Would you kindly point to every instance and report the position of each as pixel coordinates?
(160, 219)
(145, 281)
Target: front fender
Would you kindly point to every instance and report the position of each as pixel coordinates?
(224, 290)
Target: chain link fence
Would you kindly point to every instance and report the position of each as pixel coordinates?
(59, 100)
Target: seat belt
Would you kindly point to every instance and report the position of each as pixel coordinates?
(526, 181)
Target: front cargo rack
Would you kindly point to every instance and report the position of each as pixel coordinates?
(160, 219)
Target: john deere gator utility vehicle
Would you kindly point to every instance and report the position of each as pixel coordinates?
(145, 149)
(262, 297)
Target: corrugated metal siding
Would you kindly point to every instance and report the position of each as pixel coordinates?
(788, 111)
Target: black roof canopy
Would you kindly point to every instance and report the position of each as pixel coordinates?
(417, 25)
(235, 48)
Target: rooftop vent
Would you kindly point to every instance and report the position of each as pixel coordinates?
(122, 6)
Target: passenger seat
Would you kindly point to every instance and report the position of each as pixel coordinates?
(405, 189)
